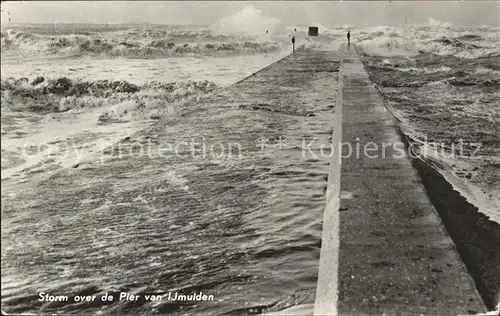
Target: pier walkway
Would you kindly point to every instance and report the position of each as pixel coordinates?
(395, 256)
(227, 196)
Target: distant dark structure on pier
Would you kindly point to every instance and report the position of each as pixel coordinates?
(313, 31)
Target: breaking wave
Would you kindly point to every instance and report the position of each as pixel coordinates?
(390, 46)
(136, 44)
(436, 23)
(461, 43)
(433, 69)
(120, 97)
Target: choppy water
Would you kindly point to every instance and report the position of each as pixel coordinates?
(446, 96)
(52, 99)
(243, 241)
(150, 42)
(238, 228)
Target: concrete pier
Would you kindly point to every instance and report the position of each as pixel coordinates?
(357, 234)
(219, 197)
(395, 257)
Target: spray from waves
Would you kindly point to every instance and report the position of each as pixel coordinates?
(387, 46)
(415, 40)
(132, 46)
(249, 21)
(153, 99)
(436, 23)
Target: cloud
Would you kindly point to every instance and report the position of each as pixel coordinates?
(248, 21)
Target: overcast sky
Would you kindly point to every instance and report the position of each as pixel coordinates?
(458, 13)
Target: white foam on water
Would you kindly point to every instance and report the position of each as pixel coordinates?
(302, 309)
(56, 132)
(62, 141)
(426, 70)
(437, 23)
(220, 70)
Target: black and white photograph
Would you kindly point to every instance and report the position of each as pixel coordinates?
(250, 158)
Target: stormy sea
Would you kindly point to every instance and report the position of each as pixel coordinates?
(69, 91)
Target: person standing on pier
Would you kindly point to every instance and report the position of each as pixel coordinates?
(348, 38)
(293, 43)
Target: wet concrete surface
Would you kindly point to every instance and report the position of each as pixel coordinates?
(224, 198)
(219, 198)
(396, 258)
